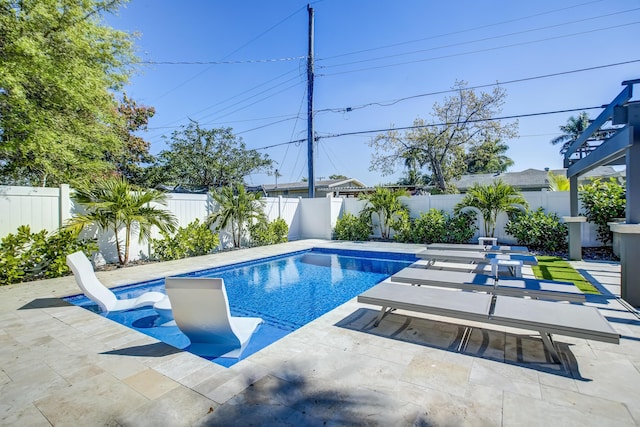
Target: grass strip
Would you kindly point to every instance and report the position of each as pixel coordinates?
(555, 268)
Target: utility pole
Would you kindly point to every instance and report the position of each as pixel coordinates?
(310, 137)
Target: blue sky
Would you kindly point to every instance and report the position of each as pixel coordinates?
(370, 56)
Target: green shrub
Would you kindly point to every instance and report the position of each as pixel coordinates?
(430, 227)
(538, 230)
(460, 227)
(27, 256)
(603, 201)
(351, 227)
(435, 226)
(402, 224)
(193, 240)
(263, 233)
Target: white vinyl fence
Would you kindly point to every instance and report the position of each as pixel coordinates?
(49, 208)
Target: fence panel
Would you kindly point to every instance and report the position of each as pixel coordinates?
(38, 207)
(47, 209)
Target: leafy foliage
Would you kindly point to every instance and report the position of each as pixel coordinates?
(193, 240)
(352, 227)
(538, 230)
(490, 200)
(488, 157)
(558, 182)
(236, 209)
(26, 256)
(384, 203)
(263, 233)
(129, 159)
(603, 201)
(459, 124)
(113, 204)
(59, 67)
(435, 226)
(574, 127)
(206, 158)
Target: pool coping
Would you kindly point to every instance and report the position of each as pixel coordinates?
(62, 364)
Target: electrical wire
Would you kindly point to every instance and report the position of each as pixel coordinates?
(460, 31)
(478, 40)
(441, 92)
(247, 61)
(474, 51)
(228, 55)
(515, 116)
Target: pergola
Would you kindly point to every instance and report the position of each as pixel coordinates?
(622, 147)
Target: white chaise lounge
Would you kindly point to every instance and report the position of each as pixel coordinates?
(201, 311)
(509, 286)
(546, 317)
(100, 294)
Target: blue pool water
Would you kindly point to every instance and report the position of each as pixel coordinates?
(286, 291)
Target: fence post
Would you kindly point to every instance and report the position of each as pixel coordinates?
(64, 204)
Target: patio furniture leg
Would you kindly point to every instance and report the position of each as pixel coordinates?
(547, 340)
(382, 313)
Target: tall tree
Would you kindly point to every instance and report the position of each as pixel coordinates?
(59, 67)
(129, 158)
(199, 157)
(459, 123)
(574, 127)
(488, 157)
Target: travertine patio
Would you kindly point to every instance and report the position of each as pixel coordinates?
(63, 365)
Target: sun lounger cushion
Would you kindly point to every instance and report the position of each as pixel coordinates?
(475, 257)
(509, 286)
(476, 248)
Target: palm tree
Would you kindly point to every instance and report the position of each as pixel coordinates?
(113, 205)
(385, 203)
(490, 200)
(236, 208)
(557, 182)
(574, 127)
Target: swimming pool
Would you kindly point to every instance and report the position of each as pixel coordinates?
(286, 291)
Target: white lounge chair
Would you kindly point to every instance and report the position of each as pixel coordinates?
(547, 317)
(201, 311)
(510, 286)
(100, 294)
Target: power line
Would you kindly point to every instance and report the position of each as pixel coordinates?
(229, 54)
(476, 51)
(247, 61)
(461, 31)
(479, 40)
(516, 116)
(441, 92)
(231, 98)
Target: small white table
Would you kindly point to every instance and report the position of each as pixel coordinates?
(482, 241)
(515, 266)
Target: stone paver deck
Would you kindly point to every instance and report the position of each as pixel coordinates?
(63, 365)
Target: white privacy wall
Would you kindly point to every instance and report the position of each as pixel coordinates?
(48, 208)
(41, 208)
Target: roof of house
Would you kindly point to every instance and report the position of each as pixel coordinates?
(529, 179)
(325, 184)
